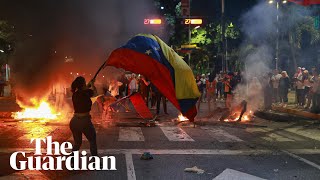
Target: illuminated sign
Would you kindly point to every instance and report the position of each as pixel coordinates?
(152, 21)
(193, 21)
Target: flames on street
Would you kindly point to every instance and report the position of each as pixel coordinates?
(40, 110)
(182, 118)
(236, 115)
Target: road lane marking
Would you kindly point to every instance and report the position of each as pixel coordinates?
(160, 151)
(302, 159)
(269, 135)
(180, 151)
(130, 134)
(131, 175)
(233, 174)
(221, 135)
(309, 133)
(175, 134)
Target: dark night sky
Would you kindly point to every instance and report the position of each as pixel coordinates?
(85, 29)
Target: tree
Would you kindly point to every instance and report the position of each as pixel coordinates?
(7, 40)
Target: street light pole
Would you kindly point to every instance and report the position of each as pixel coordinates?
(222, 36)
(189, 33)
(277, 38)
(277, 43)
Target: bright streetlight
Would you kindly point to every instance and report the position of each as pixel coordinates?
(1, 50)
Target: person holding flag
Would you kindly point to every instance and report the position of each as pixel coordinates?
(149, 56)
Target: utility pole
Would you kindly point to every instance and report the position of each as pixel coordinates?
(277, 43)
(222, 38)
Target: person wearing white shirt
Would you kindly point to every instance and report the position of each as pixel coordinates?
(133, 85)
(275, 79)
(299, 82)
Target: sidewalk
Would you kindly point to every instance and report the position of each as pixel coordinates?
(293, 110)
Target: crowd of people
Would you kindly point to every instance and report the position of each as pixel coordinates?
(132, 83)
(256, 89)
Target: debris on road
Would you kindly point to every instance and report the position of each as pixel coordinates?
(194, 169)
(146, 156)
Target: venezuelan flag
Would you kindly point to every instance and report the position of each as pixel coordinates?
(148, 55)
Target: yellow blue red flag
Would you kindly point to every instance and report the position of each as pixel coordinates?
(148, 55)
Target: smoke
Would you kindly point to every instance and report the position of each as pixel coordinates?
(258, 50)
(86, 31)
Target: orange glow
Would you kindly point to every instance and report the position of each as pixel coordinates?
(182, 118)
(235, 116)
(152, 21)
(40, 110)
(193, 21)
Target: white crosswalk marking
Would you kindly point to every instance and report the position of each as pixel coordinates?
(221, 135)
(309, 133)
(270, 136)
(130, 134)
(175, 134)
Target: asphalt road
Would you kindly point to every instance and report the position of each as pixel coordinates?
(259, 149)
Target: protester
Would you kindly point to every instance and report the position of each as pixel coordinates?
(275, 85)
(199, 84)
(203, 87)
(123, 88)
(211, 88)
(300, 92)
(284, 84)
(133, 85)
(308, 89)
(219, 93)
(316, 92)
(158, 98)
(144, 89)
(81, 121)
(228, 90)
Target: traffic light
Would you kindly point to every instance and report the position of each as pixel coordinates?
(193, 21)
(152, 21)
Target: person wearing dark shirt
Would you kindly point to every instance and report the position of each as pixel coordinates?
(284, 84)
(159, 97)
(144, 89)
(81, 121)
(124, 86)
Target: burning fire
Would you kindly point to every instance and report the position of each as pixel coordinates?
(235, 116)
(40, 110)
(181, 118)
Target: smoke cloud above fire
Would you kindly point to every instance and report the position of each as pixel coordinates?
(50, 32)
(258, 49)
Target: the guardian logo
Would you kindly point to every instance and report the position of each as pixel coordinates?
(60, 159)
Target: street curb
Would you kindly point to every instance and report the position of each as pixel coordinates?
(297, 112)
(227, 124)
(279, 116)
